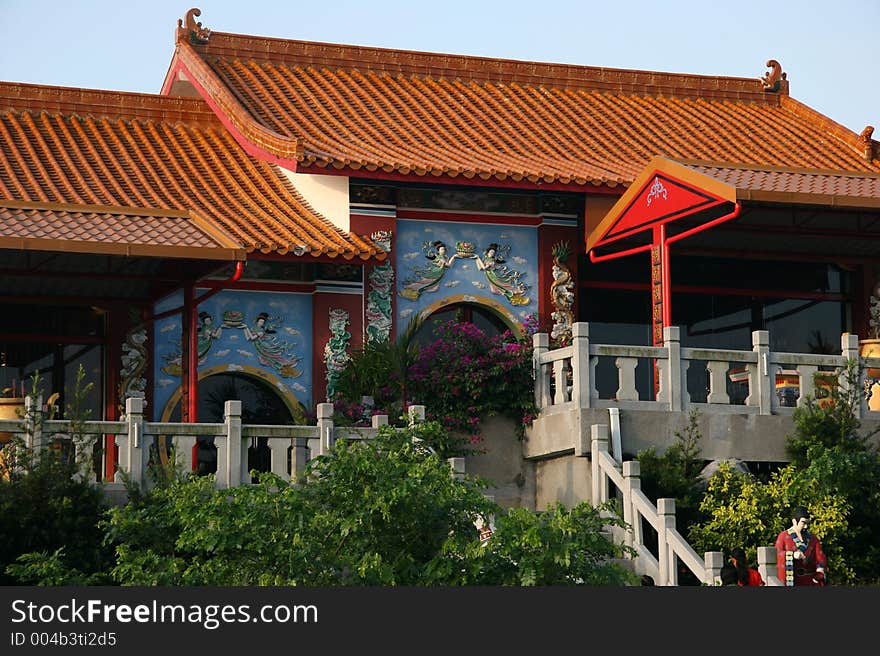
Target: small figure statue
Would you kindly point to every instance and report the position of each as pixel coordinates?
(799, 556)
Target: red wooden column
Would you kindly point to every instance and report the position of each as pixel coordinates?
(663, 193)
(656, 295)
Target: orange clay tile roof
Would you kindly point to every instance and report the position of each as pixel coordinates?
(157, 169)
(796, 185)
(311, 105)
(109, 232)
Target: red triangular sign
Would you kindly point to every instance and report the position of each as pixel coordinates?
(661, 200)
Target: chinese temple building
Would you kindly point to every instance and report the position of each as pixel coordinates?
(281, 201)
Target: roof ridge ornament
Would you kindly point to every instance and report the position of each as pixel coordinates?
(197, 34)
(772, 80)
(867, 143)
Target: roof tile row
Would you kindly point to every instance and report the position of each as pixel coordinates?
(370, 109)
(84, 150)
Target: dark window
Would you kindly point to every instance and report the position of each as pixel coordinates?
(259, 405)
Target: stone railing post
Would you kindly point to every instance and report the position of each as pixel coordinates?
(33, 428)
(122, 455)
(581, 378)
(84, 453)
(673, 383)
(416, 414)
(299, 458)
(714, 561)
(134, 458)
(184, 449)
(718, 383)
(325, 428)
(762, 383)
(598, 444)
(806, 372)
(379, 420)
(457, 465)
(540, 345)
(632, 480)
(230, 455)
(767, 566)
(665, 555)
(560, 392)
(278, 449)
(849, 349)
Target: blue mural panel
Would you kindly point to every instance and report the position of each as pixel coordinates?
(264, 334)
(439, 263)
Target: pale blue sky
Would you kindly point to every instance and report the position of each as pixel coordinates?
(830, 50)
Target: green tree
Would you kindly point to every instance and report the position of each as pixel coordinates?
(676, 472)
(556, 546)
(830, 421)
(48, 509)
(384, 511)
(833, 471)
(381, 370)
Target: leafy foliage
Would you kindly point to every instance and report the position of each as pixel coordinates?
(466, 376)
(385, 511)
(45, 569)
(46, 506)
(379, 370)
(829, 422)
(676, 472)
(462, 378)
(833, 472)
(552, 547)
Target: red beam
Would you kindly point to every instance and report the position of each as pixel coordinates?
(472, 217)
(614, 256)
(706, 226)
(460, 180)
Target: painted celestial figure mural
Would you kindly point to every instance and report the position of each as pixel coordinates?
(271, 351)
(502, 279)
(427, 278)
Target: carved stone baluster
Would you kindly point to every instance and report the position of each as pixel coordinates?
(718, 382)
(626, 377)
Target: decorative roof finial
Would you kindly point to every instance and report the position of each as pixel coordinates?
(772, 80)
(197, 34)
(867, 143)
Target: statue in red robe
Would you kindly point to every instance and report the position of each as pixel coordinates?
(799, 556)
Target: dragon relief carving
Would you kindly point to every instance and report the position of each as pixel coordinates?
(562, 294)
(132, 383)
(772, 80)
(196, 33)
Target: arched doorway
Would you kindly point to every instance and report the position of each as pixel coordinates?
(482, 316)
(260, 404)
